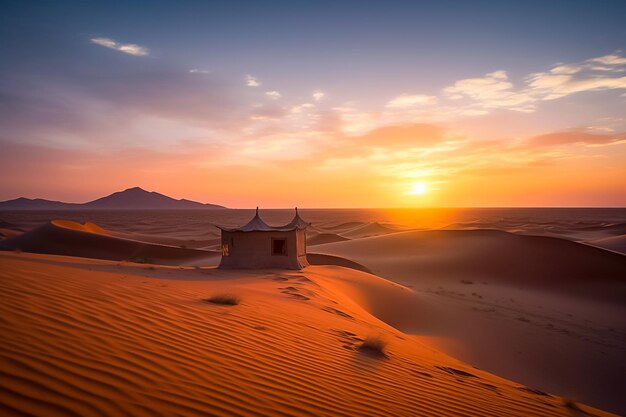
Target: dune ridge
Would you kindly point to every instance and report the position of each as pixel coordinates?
(613, 243)
(93, 343)
(88, 240)
(489, 255)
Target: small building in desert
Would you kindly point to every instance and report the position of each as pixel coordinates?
(259, 245)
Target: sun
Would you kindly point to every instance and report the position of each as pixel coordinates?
(418, 188)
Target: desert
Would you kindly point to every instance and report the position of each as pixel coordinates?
(312, 208)
(95, 316)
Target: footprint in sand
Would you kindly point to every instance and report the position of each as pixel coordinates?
(293, 292)
(533, 391)
(349, 339)
(456, 372)
(488, 386)
(422, 374)
(338, 312)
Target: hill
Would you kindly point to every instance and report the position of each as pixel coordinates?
(135, 198)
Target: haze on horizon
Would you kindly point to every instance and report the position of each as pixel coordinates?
(324, 104)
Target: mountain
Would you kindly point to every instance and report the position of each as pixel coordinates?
(131, 199)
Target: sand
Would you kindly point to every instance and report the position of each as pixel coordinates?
(109, 319)
(85, 337)
(546, 312)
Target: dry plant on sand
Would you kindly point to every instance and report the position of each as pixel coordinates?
(373, 345)
(224, 299)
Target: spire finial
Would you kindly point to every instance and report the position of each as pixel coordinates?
(296, 210)
(257, 210)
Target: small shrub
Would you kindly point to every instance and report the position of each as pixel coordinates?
(572, 405)
(224, 299)
(373, 345)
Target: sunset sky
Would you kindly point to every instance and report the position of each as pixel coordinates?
(316, 104)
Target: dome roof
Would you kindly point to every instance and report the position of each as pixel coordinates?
(258, 225)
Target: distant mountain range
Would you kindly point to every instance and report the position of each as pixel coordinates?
(131, 199)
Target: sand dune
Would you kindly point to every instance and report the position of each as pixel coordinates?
(193, 226)
(320, 259)
(85, 227)
(6, 233)
(543, 311)
(530, 306)
(321, 238)
(614, 243)
(84, 341)
(490, 256)
(9, 230)
(368, 229)
(207, 242)
(91, 241)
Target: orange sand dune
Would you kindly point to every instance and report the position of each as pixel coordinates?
(91, 241)
(85, 227)
(93, 338)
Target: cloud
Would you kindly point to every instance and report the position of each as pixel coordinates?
(127, 48)
(273, 95)
(252, 81)
(199, 71)
(576, 136)
(611, 59)
(407, 100)
(601, 73)
(407, 136)
(496, 91)
(302, 108)
(318, 95)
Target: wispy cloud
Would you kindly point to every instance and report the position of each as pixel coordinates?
(252, 81)
(199, 71)
(273, 95)
(495, 90)
(318, 95)
(127, 48)
(408, 100)
(601, 73)
(576, 137)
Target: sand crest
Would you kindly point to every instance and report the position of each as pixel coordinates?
(91, 241)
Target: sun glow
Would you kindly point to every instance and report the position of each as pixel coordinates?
(419, 188)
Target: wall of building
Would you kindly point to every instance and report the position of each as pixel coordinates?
(254, 250)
